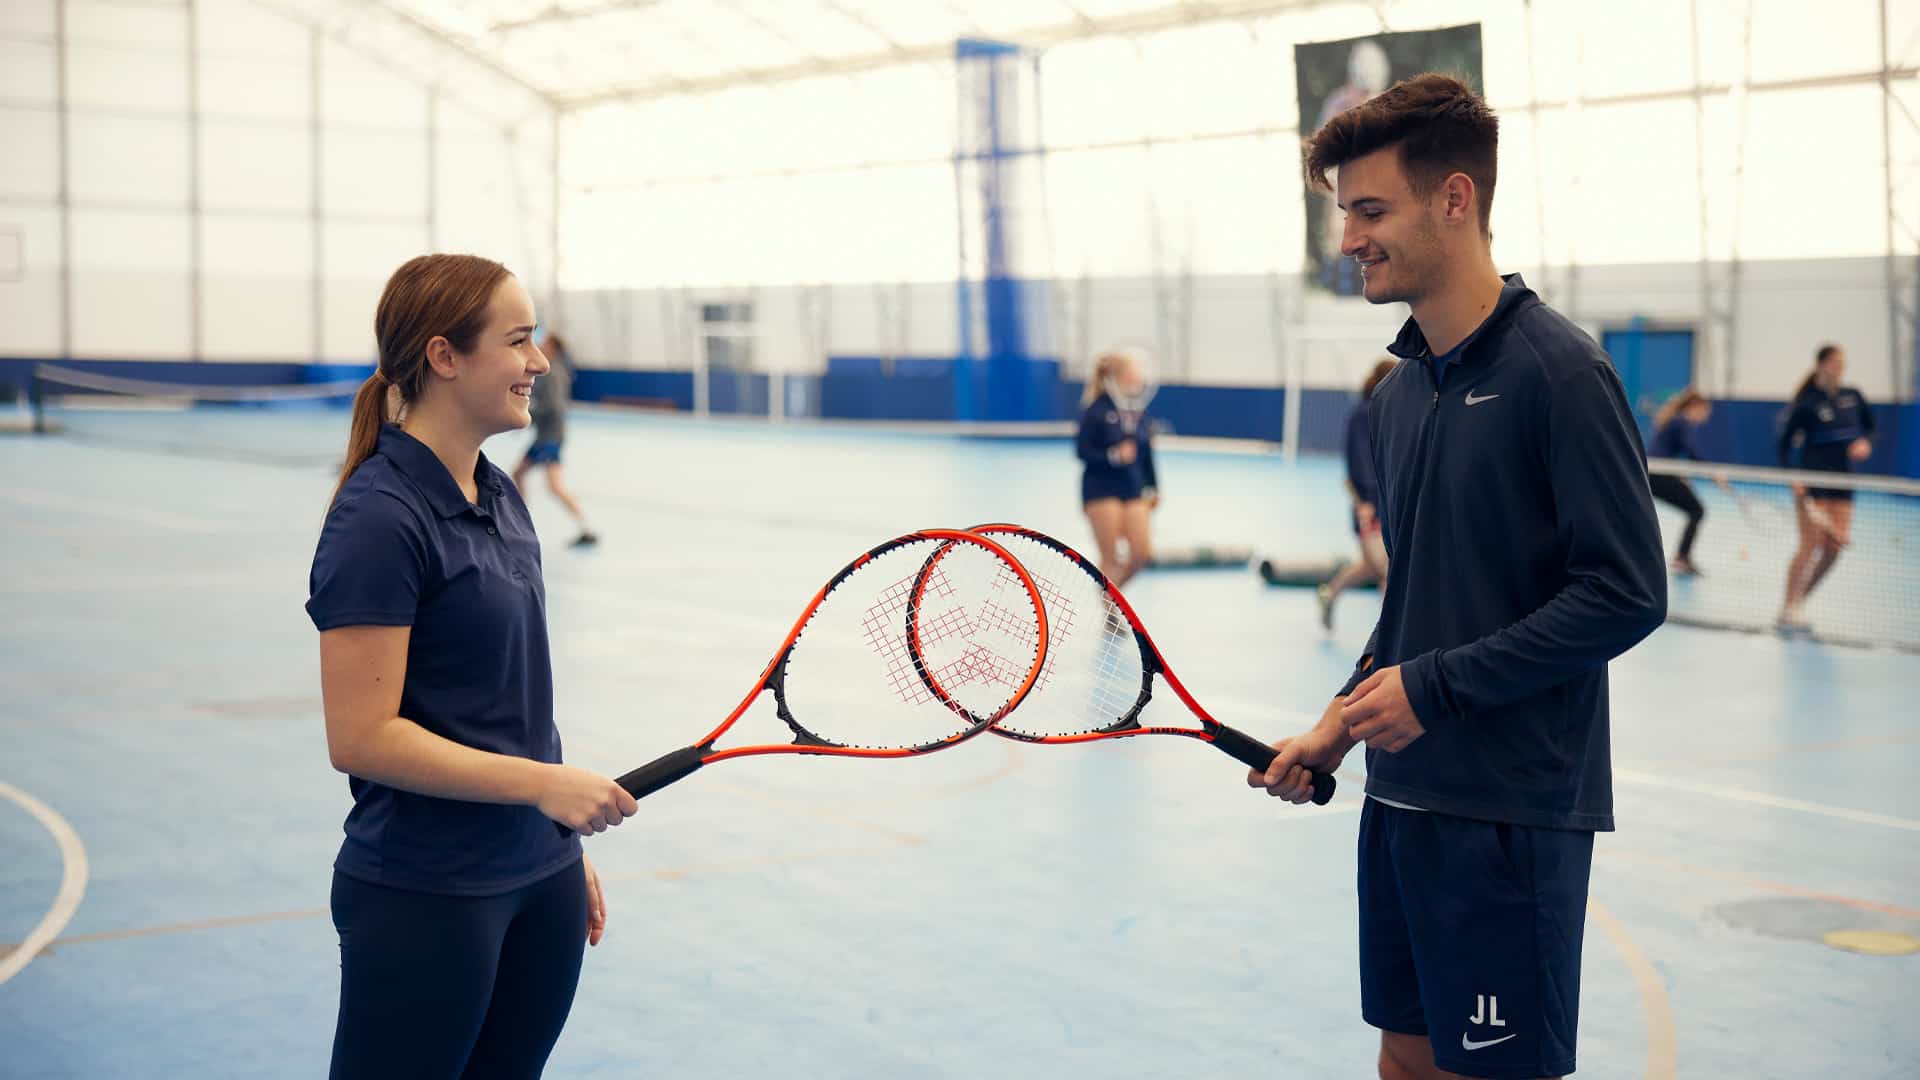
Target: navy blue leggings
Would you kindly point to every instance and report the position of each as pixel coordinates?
(455, 986)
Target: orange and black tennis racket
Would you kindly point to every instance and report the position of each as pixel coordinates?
(917, 645)
(1098, 676)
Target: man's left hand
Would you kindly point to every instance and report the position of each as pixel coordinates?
(1378, 713)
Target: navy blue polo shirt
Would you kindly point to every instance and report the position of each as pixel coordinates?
(402, 546)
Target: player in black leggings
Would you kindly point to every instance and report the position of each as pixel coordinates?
(462, 912)
(1676, 434)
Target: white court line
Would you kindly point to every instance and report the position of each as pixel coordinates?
(73, 881)
(1758, 798)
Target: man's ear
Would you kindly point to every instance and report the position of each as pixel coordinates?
(1460, 201)
(440, 357)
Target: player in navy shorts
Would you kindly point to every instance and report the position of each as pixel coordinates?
(1514, 505)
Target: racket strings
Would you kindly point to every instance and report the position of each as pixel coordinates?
(854, 676)
(1093, 673)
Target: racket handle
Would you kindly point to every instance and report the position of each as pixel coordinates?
(655, 775)
(661, 771)
(1257, 755)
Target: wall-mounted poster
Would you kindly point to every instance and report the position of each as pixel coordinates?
(1334, 76)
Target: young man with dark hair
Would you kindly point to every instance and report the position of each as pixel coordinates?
(1515, 508)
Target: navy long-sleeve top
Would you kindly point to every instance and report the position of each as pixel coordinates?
(1515, 511)
(1103, 427)
(1822, 426)
(1677, 438)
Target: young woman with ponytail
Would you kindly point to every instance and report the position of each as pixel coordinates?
(1118, 488)
(1829, 428)
(1676, 429)
(461, 910)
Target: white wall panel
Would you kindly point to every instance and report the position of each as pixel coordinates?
(130, 284)
(30, 306)
(374, 173)
(118, 158)
(28, 72)
(118, 77)
(30, 167)
(251, 166)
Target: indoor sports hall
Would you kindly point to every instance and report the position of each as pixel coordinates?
(805, 276)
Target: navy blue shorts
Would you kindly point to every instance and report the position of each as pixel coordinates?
(1122, 484)
(543, 453)
(1470, 935)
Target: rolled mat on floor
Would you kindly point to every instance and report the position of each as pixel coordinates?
(1297, 573)
(1201, 558)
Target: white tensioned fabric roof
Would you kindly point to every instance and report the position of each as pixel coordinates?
(577, 53)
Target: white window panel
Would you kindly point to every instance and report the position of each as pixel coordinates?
(1793, 39)
(1619, 214)
(242, 28)
(354, 91)
(720, 31)
(913, 23)
(1212, 78)
(128, 159)
(152, 25)
(250, 166)
(476, 207)
(1815, 185)
(1516, 196)
(256, 289)
(30, 306)
(113, 77)
(377, 173)
(357, 261)
(31, 18)
(1655, 34)
(1099, 203)
(130, 284)
(819, 30)
(27, 72)
(1503, 52)
(1092, 92)
(1006, 18)
(30, 169)
(1103, 9)
(256, 247)
(280, 89)
(1903, 34)
(1906, 168)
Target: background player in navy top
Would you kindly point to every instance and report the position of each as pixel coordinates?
(1118, 488)
(1365, 491)
(1830, 427)
(551, 397)
(461, 910)
(1676, 435)
(1514, 504)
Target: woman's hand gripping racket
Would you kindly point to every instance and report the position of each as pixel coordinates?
(1098, 674)
(916, 646)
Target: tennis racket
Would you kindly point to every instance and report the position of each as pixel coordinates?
(917, 645)
(1097, 678)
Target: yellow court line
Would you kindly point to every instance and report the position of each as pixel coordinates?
(1662, 1044)
(73, 881)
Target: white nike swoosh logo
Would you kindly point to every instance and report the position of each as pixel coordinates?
(1469, 1044)
(1471, 400)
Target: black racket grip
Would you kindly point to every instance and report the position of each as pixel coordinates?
(1257, 755)
(661, 771)
(655, 775)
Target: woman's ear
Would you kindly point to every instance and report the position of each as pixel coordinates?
(440, 358)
